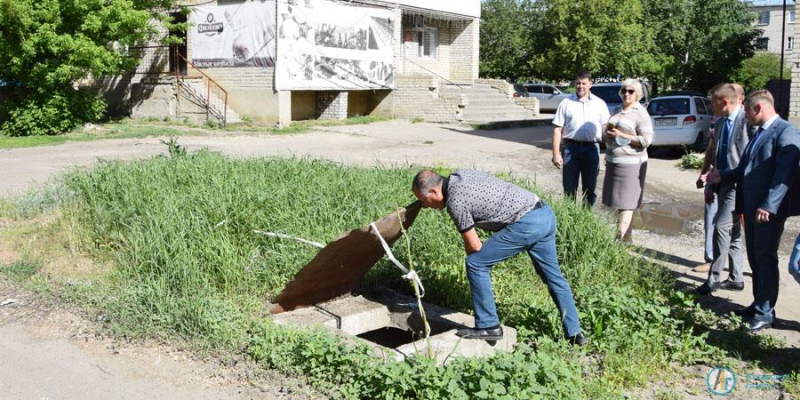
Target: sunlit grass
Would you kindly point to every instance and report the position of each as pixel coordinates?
(187, 264)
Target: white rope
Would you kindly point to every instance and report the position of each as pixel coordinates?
(283, 236)
(410, 275)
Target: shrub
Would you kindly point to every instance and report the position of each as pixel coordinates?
(52, 113)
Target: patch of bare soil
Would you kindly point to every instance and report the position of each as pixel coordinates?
(50, 350)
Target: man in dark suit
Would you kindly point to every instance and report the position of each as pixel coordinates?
(763, 178)
(724, 152)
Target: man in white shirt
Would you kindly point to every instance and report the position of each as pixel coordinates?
(579, 125)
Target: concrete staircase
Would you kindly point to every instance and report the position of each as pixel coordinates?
(194, 91)
(487, 105)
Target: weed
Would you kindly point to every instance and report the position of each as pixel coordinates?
(668, 394)
(21, 270)
(173, 147)
(792, 384)
(417, 120)
(691, 161)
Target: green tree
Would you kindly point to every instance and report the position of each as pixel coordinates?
(699, 43)
(605, 37)
(505, 39)
(47, 46)
(756, 71)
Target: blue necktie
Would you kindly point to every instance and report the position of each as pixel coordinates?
(752, 144)
(723, 148)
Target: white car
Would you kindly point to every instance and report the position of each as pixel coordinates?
(681, 120)
(549, 96)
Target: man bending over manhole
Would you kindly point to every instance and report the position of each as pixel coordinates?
(520, 220)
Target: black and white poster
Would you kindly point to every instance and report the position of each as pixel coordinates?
(233, 35)
(324, 45)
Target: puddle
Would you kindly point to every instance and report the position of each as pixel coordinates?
(668, 218)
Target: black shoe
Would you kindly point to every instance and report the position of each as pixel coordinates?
(745, 313)
(731, 285)
(490, 334)
(756, 325)
(707, 288)
(578, 340)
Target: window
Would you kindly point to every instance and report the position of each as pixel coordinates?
(762, 43)
(429, 42)
(548, 89)
(700, 106)
(763, 17)
(709, 109)
(425, 39)
(789, 43)
(673, 106)
(533, 88)
(790, 18)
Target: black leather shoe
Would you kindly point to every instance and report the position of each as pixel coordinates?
(481, 333)
(745, 313)
(578, 340)
(756, 325)
(728, 284)
(707, 288)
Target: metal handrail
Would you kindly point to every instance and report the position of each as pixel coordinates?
(423, 67)
(182, 76)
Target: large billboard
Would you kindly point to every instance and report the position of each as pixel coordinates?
(233, 35)
(325, 45)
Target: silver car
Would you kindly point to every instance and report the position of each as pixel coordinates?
(609, 92)
(549, 96)
(683, 120)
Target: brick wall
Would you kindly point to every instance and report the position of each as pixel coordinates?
(503, 86)
(529, 103)
(464, 52)
(794, 95)
(332, 105)
(417, 96)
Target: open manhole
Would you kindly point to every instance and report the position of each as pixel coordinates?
(321, 294)
(392, 323)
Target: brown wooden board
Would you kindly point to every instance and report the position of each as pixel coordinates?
(340, 265)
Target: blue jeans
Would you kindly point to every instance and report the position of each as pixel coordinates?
(535, 233)
(708, 223)
(794, 260)
(581, 161)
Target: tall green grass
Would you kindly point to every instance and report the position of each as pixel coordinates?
(181, 228)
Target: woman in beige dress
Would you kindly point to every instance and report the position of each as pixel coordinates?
(627, 135)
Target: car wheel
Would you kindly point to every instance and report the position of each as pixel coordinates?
(698, 143)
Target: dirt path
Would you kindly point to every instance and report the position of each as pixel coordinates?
(49, 352)
(523, 151)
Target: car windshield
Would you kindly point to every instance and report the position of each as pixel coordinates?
(609, 94)
(668, 107)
